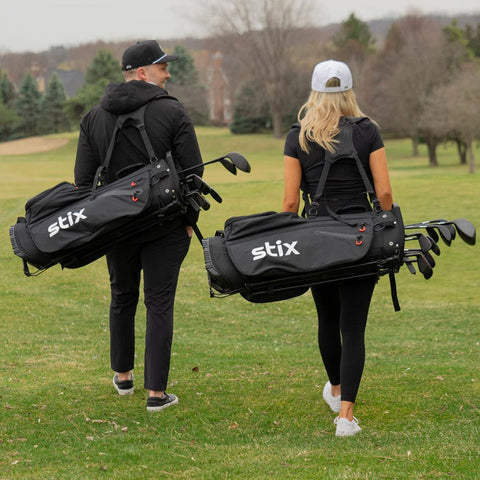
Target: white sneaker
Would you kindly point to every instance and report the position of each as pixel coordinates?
(333, 402)
(346, 428)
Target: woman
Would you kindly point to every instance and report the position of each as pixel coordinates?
(342, 306)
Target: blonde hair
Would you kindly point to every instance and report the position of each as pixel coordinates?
(319, 116)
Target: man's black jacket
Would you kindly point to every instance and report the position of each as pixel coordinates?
(167, 124)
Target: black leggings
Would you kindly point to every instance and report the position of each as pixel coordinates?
(342, 309)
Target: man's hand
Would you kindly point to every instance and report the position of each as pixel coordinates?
(189, 231)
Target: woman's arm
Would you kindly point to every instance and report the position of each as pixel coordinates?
(381, 179)
(292, 180)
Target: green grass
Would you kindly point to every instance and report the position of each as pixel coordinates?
(249, 376)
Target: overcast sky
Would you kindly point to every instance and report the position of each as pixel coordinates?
(37, 25)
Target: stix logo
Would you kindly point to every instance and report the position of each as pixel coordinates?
(63, 223)
(279, 249)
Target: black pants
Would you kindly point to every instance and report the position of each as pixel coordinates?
(342, 309)
(160, 261)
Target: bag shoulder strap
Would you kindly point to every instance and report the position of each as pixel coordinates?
(345, 149)
(136, 119)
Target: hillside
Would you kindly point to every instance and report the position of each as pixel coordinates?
(71, 62)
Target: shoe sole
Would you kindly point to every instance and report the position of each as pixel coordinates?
(349, 434)
(162, 407)
(123, 391)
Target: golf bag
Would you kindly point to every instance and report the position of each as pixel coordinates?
(74, 226)
(273, 256)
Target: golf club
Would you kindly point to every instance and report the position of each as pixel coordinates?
(435, 248)
(202, 201)
(425, 268)
(409, 264)
(424, 242)
(442, 230)
(203, 187)
(415, 252)
(432, 232)
(464, 228)
(231, 161)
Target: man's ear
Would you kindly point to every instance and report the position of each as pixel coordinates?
(142, 74)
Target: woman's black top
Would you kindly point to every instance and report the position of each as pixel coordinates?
(344, 179)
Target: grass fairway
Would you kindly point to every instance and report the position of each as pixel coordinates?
(249, 376)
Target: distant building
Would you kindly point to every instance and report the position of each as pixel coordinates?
(218, 92)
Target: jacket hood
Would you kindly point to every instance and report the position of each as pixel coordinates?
(124, 97)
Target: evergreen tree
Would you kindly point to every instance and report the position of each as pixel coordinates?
(185, 85)
(183, 69)
(473, 39)
(27, 107)
(7, 90)
(353, 30)
(251, 113)
(103, 70)
(54, 119)
(8, 123)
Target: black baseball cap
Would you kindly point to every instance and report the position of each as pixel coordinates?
(145, 53)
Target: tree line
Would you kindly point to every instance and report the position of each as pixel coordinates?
(30, 112)
(422, 82)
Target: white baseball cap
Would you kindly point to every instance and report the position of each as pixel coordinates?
(324, 71)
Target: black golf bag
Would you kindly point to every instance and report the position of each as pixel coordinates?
(74, 227)
(273, 256)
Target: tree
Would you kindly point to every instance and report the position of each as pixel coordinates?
(27, 107)
(473, 39)
(415, 60)
(183, 69)
(262, 34)
(8, 123)
(103, 70)
(354, 31)
(7, 90)
(451, 113)
(185, 85)
(251, 113)
(54, 118)
(104, 67)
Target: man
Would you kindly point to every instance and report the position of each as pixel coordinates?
(159, 252)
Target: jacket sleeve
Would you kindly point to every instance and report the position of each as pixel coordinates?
(186, 152)
(86, 162)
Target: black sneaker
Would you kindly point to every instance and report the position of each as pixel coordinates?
(123, 387)
(155, 404)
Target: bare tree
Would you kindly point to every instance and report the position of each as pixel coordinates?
(451, 113)
(262, 34)
(412, 63)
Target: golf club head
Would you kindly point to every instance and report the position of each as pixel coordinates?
(431, 231)
(202, 201)
(429, 259)
(424, 242)
(228, 165)
(239, 161)
(445, 234)
(466, 230)
(435, 248)
(409, 264)
(425, 268)
(203, 187)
